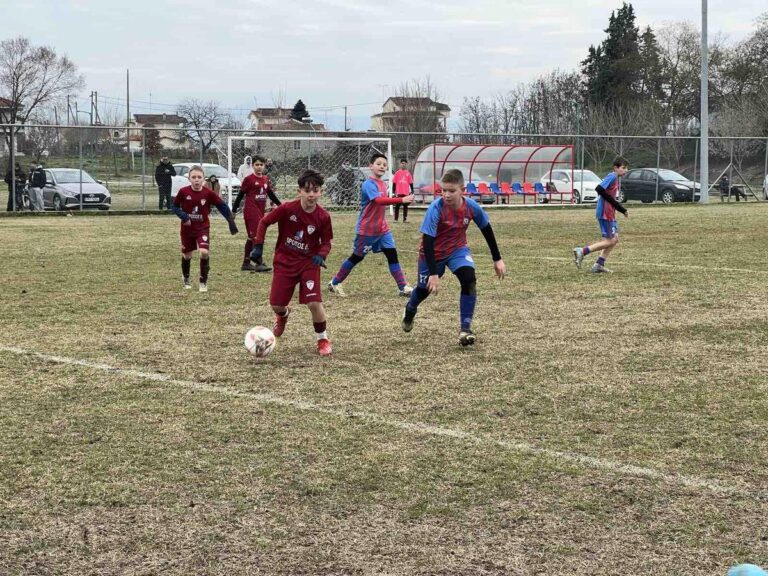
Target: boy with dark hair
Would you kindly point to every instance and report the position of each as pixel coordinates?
(444, 244)
(192, 205)
(373, 234)
(403, 182)
(303, 243)
(255, 188)
(606, 219)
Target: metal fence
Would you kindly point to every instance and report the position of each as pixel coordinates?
(123, 161)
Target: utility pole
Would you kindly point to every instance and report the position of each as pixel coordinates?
(128, 116)
(90, 121)
(345, 118)
(69, 107)
(704, 198)
(96, 107)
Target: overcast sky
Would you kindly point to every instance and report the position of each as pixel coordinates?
(331, 52)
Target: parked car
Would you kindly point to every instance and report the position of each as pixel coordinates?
(640, 184)
(62, 190)
(765, 188)
(181, 180)
(575, 186)
(348, 194)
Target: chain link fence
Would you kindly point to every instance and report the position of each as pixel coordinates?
(118, 164)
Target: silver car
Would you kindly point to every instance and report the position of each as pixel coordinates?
(62, 190)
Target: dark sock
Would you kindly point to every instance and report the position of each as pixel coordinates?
(185, 265)
(586, 250)
(466, 310)
(601, 261)
(284, 314)
(405, 212)
(418, 296)
(247, 253)
(204, 268)
(319, 327)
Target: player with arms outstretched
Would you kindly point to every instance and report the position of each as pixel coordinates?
(255, 188)
(607, 205)
(303, 244)
(192, 205)
(373, 234)
(444, 244)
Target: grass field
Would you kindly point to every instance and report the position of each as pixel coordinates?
(611, 424)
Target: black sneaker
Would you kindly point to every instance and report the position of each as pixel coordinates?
(408, 317)
(247, 268)
(466, 338)
(261, 268)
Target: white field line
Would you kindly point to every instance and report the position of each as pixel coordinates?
(629, 263)
(611, 466)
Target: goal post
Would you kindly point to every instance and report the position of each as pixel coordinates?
(342, 161)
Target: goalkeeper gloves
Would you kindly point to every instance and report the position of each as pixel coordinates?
(318, 260)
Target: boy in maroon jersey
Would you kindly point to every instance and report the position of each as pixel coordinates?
(255, 188)
(303, 243)
(192, 205)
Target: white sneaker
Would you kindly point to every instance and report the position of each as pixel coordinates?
(578, 256)
(336, 289)
(187, 283)
(203, 287)
(406, 291)
(600, 269)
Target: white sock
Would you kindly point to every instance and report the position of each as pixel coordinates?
(322, 335)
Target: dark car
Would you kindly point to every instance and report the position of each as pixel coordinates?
(62, 190)
(640, 184)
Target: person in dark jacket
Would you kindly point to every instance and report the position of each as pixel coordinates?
(20, 180)
(37, 182)
(163, 174)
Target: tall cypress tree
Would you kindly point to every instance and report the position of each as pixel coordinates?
(612, 71)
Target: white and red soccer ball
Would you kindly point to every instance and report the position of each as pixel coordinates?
(260, 341)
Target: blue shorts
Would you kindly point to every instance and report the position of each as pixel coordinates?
(457, 259)
(608, 228)
(364, 244)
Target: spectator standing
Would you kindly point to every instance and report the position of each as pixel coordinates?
(14, 187)
(164, 173)
(36, 185)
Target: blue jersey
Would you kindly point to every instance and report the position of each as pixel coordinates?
(449, 227)
(604, 210)
(372, 221)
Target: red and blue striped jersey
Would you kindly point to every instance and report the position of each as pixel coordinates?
(449, 227)
(372, 220)
(604, 210)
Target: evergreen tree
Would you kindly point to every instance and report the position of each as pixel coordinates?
(652, 73)
(299, 111)
(612, 71)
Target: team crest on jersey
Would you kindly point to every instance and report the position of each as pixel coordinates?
(466, 221)
(293, 218)
(310, 284)
(189, 197)
(205, 238)
(202, 202)
(310, 229)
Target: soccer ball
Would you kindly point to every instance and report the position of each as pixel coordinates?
(260, 341)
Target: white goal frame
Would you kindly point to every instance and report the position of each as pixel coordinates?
(373, 138)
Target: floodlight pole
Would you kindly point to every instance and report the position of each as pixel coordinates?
(704, 198)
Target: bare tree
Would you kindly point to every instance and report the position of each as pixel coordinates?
(32, 77)
(203, 122)
(736, 118)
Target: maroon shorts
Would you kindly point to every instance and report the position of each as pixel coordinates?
(251, 224)
(283, 285)
(194, 238)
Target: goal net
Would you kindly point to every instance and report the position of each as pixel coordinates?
(343, 162)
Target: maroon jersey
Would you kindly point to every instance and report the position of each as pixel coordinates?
(197, 205)
(255, 189)
(301, 235)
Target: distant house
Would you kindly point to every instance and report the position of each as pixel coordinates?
(278, 122)
(168, 126)
(401, 114)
